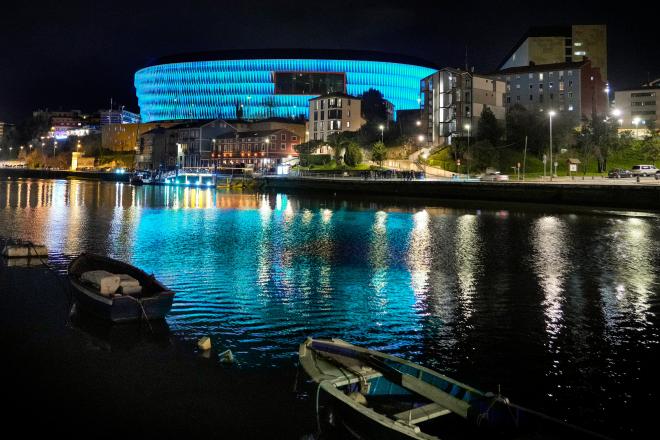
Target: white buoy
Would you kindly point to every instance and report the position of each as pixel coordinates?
(227, 357)
(204, 343)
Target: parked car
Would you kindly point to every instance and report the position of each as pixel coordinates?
(495, 176)
(619, 173)
(644, 170)
(657, 175)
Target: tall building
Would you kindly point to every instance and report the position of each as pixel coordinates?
(334, 113)
(560, 44)
(574, 89)
(638, 107)
(453, 99)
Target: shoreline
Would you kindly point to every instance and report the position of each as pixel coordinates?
(628, 196)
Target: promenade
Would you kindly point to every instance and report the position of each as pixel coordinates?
(598, 192)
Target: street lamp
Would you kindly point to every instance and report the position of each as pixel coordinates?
(636, 122)
(467, 127)
(551, 114)
(382, 128)
(420, 138)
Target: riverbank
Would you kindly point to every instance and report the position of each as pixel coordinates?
(86, 379)
(30, 173)
(629, 196)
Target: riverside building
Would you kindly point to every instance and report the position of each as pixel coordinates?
(452, 101)
(573, 89)
(332, 114)
(638, 107)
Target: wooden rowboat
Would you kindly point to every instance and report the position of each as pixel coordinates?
(154, 300)
(374, 395)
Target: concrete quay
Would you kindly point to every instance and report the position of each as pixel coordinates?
(597, 193)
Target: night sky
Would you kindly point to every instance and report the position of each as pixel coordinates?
(68, 55)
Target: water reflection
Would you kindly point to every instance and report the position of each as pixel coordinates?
(550, 261)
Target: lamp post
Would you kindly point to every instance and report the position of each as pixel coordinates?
(551, 114)
(636, 124)
(54, 147)
(467, 127)
(382, 128)
(267, 140)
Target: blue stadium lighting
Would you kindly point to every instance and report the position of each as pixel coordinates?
(214, 89)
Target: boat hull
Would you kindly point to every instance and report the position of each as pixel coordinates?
(122, 308)
(154, 302)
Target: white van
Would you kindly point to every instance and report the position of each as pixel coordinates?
(644, 170)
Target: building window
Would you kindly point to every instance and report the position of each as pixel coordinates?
(283, 146)
(531, 97)
(348, 124)
(570, 108)
(531, 76)
(540, 76)
(517, 86)
(283, 137)
(316, 115)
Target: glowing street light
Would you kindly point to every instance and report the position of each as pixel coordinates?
(616, 112)
(551, 114)
(467, 127)
(382, 128)
(420, 138)
(636, 122)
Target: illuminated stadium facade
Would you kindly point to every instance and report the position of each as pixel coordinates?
(270, 83)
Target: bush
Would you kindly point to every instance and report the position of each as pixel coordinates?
(318, 159)
(353, 155)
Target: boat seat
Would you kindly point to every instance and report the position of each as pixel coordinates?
(422, 413)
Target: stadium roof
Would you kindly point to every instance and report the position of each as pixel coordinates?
(324, 54)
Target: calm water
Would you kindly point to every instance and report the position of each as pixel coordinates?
(559, 307)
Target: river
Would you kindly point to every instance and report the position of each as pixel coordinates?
(556, 306)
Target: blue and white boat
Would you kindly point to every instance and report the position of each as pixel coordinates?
(369, 394)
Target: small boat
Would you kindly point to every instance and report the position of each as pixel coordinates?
(374, 395)
(151, 300)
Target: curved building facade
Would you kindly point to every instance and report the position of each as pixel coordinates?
(271, 83)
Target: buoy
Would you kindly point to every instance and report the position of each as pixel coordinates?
(227, 357)
(204, 343)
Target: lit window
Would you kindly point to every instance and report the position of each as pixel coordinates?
(580, 52)
(577, 44)
(540, 76)
(570, 108)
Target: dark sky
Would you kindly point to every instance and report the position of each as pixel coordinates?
(80, 54)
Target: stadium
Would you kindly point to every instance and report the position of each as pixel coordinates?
(257, 84)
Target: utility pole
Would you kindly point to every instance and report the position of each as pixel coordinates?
(525, 159)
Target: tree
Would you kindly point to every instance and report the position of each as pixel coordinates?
(374, 108)
(489, 127)
(353, 155)
(378, 153)
(338, 142)
(651, 147)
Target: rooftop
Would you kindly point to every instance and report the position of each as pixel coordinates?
(543, 67)
(324, 54)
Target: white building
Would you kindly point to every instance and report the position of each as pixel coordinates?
(637, 109)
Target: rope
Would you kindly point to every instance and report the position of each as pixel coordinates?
(144, 312)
